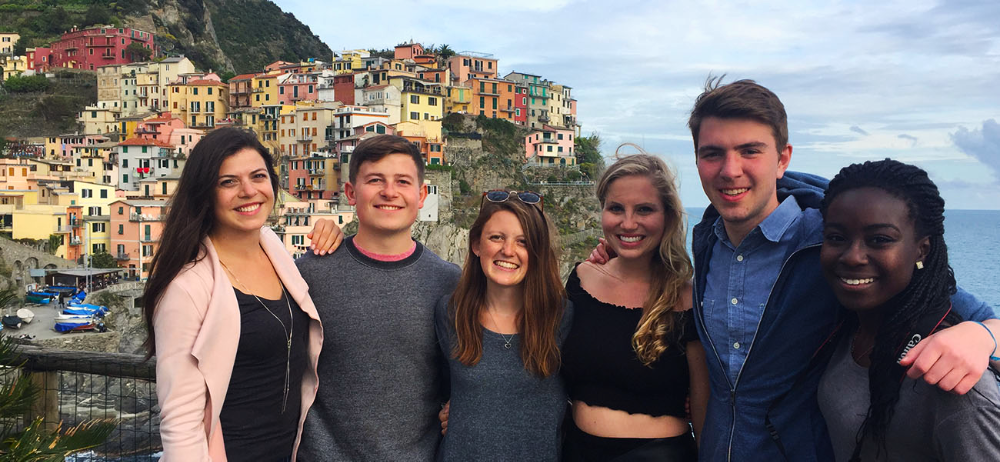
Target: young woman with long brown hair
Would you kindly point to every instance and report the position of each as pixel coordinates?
(633, 357)
(501, 331)
(229, 318)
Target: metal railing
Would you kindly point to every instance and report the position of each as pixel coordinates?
(77, 386)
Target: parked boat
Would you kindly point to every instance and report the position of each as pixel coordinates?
(40, 298)
(26, 315)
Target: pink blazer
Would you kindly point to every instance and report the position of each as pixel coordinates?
(197, 325)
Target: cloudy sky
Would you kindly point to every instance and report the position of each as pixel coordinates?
(914, 80)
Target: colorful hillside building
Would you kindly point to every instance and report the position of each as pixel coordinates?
(96, 46)
(470, 64)
(550, 147)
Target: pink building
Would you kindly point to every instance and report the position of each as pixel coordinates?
(472, 65)
(38, 59)
(550, 147)
(408, 50)
(136, 226)
(95, 47)
(170, 130)
(298, 87)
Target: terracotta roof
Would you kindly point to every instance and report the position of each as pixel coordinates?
(143, 142)
(377, 87)
(205, 82)
(243, 77)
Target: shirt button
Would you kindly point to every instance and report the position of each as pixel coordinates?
(736, 345)
(739, 258)
(734, 301)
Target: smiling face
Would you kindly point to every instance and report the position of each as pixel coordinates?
(870, 247)
(633, 217)
(739, 166)
(502, 250)
(388, 194)
(243, 194)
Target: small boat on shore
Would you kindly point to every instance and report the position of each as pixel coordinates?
(39, 298)
(26, 315)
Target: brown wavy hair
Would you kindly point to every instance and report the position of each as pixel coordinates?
(671, 268)
(544, 295)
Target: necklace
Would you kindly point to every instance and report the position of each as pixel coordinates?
(506, 341)
(289, 331)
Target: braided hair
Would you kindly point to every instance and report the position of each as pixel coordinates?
(929, 289)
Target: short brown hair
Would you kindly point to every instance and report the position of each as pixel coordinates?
(742, 99)
(375, 148)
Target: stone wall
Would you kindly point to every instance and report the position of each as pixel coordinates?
(17, 260)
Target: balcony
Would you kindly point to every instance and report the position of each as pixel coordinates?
(148, 238)
(145, 217)
(507, 109)
(544, 118)
(122, 257)
(64, 229)
(317, 172)
(107, 56)
(75, 240)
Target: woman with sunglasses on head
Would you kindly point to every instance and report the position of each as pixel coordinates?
(885, 257)
(632, 357)
(228, 316)
(501, 332)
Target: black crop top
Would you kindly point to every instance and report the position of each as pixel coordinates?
(600, 367)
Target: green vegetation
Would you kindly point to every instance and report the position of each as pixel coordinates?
(55, 240)
(588, 155)
(138, 52)
(29, 84)
(51, 111)
(103, 260)
(255, 33)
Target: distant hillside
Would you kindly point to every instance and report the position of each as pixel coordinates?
(49, 112)
(224, 35)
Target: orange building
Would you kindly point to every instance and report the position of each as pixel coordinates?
(468, 65)
(493, 98)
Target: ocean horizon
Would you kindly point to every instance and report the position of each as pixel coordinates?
(976, 264)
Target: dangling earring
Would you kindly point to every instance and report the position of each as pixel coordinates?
(920, 265)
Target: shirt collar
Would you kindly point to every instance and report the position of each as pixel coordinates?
(773, 227)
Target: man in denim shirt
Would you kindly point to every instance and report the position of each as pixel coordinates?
(762, 306)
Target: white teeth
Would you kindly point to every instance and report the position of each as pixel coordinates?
(248, 208)
(507, 265)
(855, 282)
(734, 192)
(631, 238)
(388, 207)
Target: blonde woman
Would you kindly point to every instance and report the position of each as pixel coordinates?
(632, 356)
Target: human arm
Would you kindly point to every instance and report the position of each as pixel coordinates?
(955, 358)
(180, 386)
(698, 372)
(325, 237)
(442, 332)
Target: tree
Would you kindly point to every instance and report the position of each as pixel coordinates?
(138, 52)
(445, 52)
(103, 260)
(225, 76)
(97, 15)
(26, 84)
(588, 155)
(17, 395)
(55, 240)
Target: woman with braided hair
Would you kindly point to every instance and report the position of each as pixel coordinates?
(885, 257)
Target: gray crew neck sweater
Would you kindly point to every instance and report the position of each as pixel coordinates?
(379, 373)
(499, 410)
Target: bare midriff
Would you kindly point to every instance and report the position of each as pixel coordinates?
(612, 423)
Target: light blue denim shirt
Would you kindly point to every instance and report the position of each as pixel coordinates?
(739, 280)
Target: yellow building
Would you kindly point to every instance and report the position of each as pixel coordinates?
(7, 41)
(264, 90)
(348, 61)
(422, 105)
(95, 201)
(457, 99)
(99, 119)
(200, 102)
(13, 66)
(41, 221)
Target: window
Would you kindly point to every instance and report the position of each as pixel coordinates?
(482, 102)
(121, 249)
(210, 90)
(99, 248)
(298, 239)
(414, 116)
(415, 99)
(432, 101)
(560, 136)
(281, 90)
(124, 178)
(121, 210)
(427, 116)
(97, 227)
(194, 91)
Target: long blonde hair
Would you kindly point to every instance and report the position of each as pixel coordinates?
(672, 270)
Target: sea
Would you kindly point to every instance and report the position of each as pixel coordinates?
(973, 239)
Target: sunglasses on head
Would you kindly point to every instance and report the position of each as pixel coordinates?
(499, 195)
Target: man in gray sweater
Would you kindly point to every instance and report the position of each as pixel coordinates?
(379, 372)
